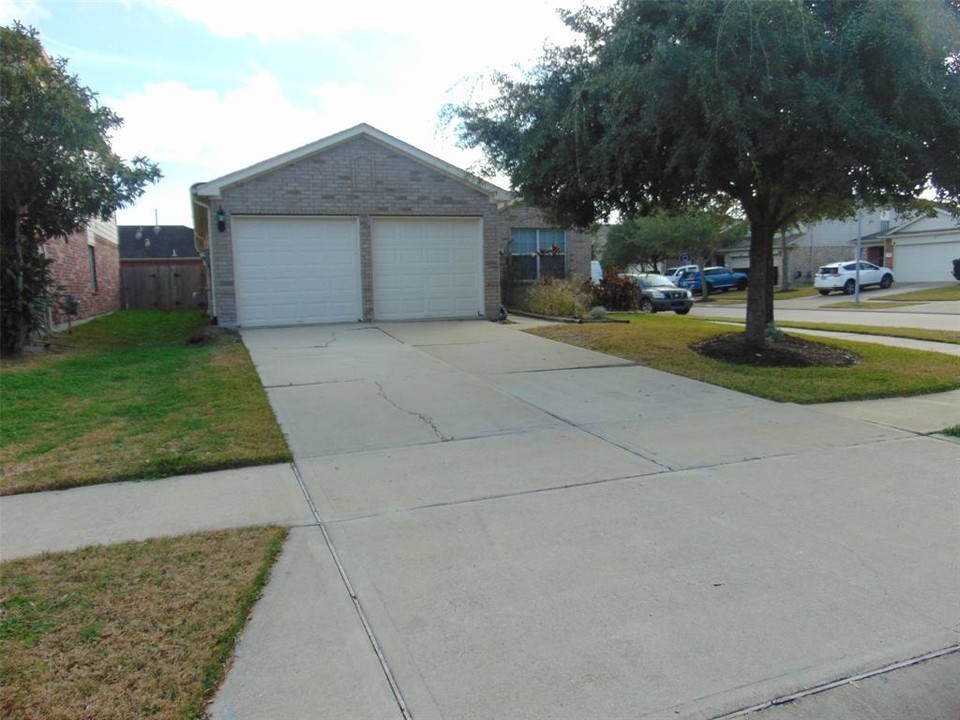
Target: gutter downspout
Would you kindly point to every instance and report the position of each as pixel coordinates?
(203, 210)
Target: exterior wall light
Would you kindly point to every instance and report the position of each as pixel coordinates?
(221, 219)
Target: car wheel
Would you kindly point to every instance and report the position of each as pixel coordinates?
(682, 312)
(646, 306)
(824, 292)
(741, 284)
(886, 281)
(849, 287)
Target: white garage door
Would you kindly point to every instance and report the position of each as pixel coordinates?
(427, 268)
(293, 271)
(926, 262)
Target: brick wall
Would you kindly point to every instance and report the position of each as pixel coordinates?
(71, 269)
(360, 178)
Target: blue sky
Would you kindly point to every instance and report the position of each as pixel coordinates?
(207, 87)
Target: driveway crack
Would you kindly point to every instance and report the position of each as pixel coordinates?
(426, 419)
(328, 343)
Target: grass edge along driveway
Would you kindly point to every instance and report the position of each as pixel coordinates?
(663, 342)
(125, 397)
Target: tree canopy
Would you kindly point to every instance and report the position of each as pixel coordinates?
(793, 109)
(663, 237)
(59, 172)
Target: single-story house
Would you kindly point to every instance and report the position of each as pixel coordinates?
(360, 226)
(86, 272)
(160, 267)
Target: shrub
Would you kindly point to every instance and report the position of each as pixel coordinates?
(557, 298)
(616, 293)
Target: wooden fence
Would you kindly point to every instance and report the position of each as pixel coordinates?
(162, 287)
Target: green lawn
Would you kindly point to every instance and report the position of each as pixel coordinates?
(739, 297)
(663, 342)
(124, 397)
(138, 630)
(868, 304)
(938, 294)
(944, 336)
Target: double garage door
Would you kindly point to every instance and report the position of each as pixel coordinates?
(292, 271)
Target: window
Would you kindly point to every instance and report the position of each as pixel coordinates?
(538, 252)
(92, 257)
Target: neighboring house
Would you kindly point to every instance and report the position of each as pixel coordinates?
(85, 268)
(361, 226)
(917, 249)
(920, 250)
(160, 267)
(812, 245)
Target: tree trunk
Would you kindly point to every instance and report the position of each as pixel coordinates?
(760, 283)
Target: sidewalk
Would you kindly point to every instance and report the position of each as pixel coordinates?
(577, 561)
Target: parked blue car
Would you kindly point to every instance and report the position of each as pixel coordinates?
(718, 278)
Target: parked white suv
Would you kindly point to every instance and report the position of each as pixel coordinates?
(843, 276)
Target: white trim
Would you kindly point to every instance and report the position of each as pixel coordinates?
(213, 188)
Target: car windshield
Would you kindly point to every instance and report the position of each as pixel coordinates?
(656, 281)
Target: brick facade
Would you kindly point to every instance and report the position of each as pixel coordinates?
(360, 178)
(71, 269)
(365, 174)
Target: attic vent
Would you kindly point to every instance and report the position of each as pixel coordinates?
(363, 174)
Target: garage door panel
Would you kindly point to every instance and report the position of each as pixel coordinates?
(297, 270)
(924, 262)
(427, 268)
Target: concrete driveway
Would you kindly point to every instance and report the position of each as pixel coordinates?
(510, 527)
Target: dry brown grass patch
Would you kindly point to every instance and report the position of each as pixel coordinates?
(133, 630)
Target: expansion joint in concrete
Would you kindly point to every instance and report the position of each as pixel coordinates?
(783, 700)
(357, 606)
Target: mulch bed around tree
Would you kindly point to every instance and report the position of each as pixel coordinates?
(785, 352)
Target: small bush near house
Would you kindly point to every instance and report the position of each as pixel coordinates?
(953, 431)
(557, 298)
(616, 293)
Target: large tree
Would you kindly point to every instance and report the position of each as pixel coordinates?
(58, 172)
(790, 108)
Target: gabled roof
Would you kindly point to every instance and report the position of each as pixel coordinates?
(173, 241)
(213, 188)
(944, 223)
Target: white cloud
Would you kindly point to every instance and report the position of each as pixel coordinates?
(408, 59)
(26, 11)
(200, 134)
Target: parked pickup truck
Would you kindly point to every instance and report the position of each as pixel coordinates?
(718, 278)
